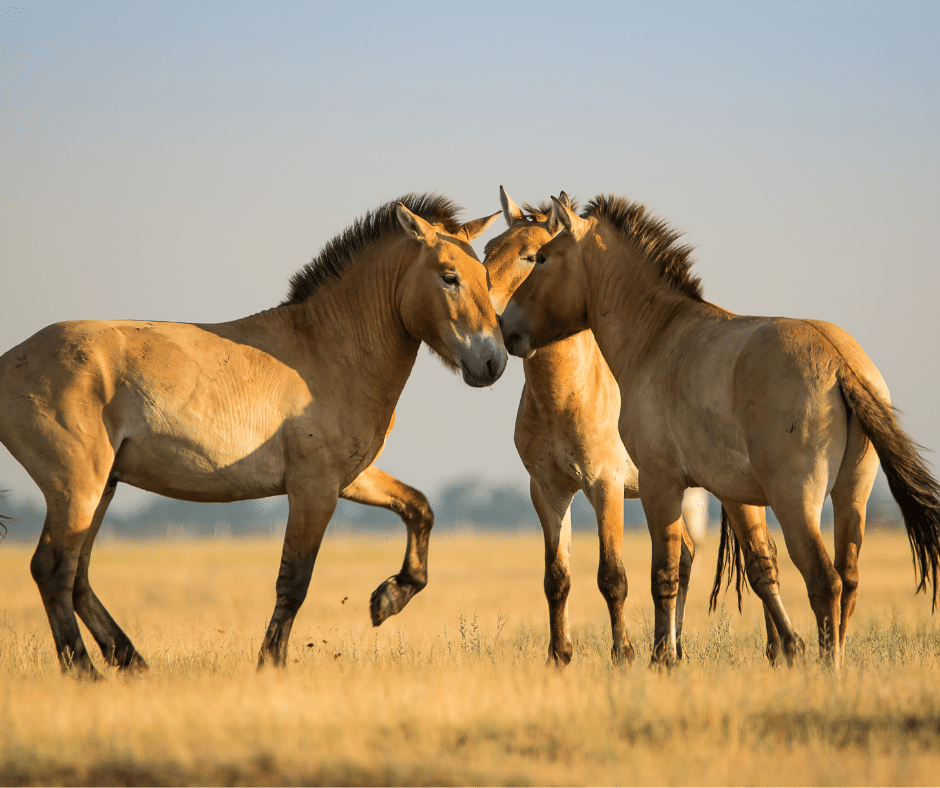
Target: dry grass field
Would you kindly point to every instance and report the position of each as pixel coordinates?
(455, 690)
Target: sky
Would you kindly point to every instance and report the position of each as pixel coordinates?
(179, 161)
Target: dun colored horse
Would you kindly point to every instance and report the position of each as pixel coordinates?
(756, 410)
(566, 435)
(296, 400)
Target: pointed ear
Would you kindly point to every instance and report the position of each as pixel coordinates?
(511, 211)
(569, 220)
(415, 226)
(564, 199)
(477, 227)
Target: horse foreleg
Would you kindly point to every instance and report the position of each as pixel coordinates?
(115, 646)
(553, 507)
(376, 488)
(686, 556)
(607, 500)
(307, 519)
(663, 509)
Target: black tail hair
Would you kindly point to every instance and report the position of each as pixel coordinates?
(730, 553)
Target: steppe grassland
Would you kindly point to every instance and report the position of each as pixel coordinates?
(455, 690)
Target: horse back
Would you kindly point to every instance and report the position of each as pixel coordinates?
(170, 407)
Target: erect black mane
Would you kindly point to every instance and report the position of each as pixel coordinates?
(653, 238)
(365, 231)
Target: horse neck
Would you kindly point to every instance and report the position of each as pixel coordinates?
(632, 311)
(556, 369)
(357, 315)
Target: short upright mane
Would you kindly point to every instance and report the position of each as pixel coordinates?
(365, 231)
(653, 238)
(544, 208)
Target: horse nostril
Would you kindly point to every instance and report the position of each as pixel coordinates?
(491, 367)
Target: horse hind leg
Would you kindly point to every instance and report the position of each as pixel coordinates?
(607, 499)
(850, 495)
(553, 507)
(374, 487)
(800, 523)
(54, 566)
(749, 525)
(116, 647)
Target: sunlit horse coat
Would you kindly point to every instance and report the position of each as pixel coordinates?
(297, 399)
(756, 410)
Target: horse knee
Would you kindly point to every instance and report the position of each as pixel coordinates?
(46, 567)
(612, 582)
(664, 583)
(557, 584)
(420, 514)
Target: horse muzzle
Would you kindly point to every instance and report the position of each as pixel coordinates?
(515, 338)
(483, 361)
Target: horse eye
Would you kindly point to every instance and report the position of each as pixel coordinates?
(529, 258)
(540, 258)
(450, 279)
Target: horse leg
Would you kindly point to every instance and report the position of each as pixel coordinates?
(308, 515)
(553, 507)
(749, 524)
(376, 488)
(662, 504)
(850, 495)
(686, 556)
(54, 565)
(800, 523)
(115, 646)
(607, 499)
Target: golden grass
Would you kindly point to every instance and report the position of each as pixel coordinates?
(455, 690)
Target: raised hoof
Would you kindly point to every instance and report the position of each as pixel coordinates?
(389, 599)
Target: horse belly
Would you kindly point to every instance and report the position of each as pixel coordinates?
(182, 466)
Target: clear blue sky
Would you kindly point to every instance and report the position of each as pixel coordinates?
(178, 161)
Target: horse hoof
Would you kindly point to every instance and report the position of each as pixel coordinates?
(385, 601)
(136, 665)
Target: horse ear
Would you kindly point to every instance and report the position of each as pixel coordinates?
(415, 226)
(573, 223)
(477, 227)
(511, 211)
(551, 219)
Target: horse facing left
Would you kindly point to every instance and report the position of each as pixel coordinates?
(297, 399)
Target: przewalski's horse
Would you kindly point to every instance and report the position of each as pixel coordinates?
(756, 410)
(566, 435)
(297, 399)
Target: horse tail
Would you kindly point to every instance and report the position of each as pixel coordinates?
(916, 492)
(730, 554)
